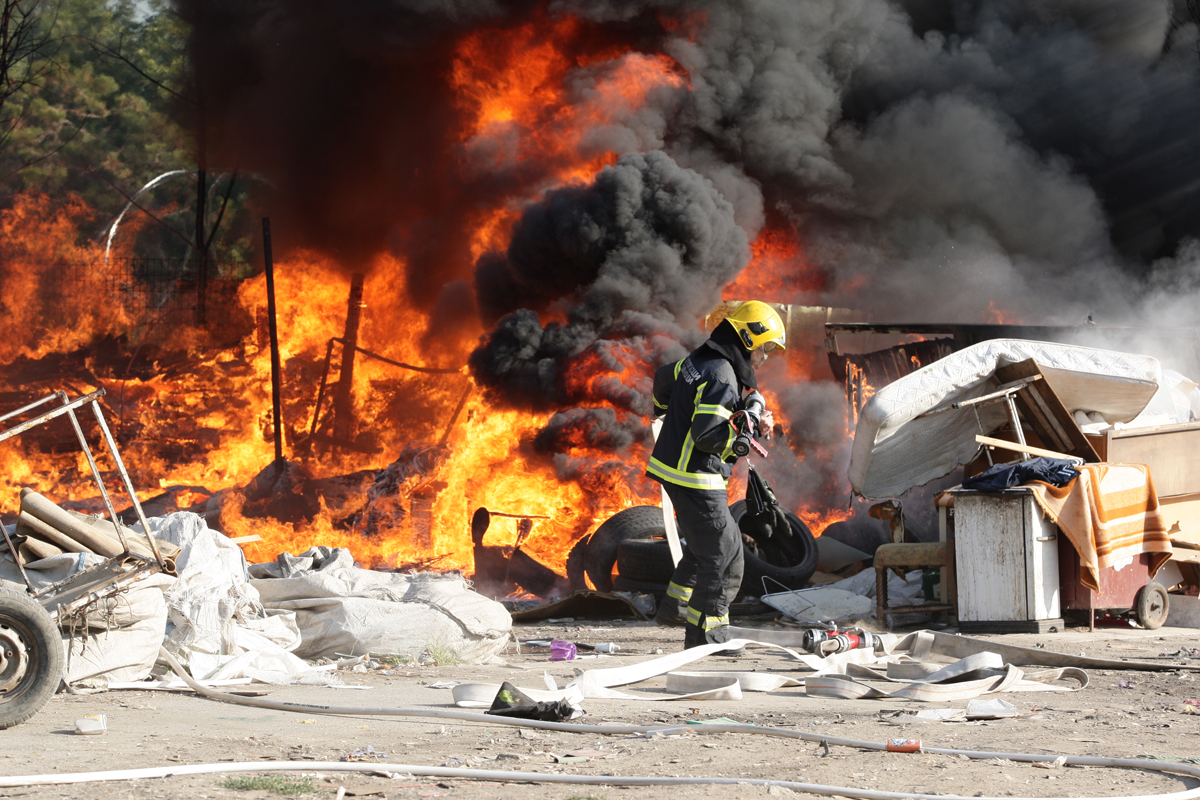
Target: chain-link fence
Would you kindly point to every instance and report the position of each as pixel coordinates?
(150, 289)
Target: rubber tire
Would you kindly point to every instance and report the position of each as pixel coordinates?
(622, 584)
(793, 575)
(638, 522)
(575, 569)
(1152, 605)
(646, 560)
(25, 620)
(649, 561)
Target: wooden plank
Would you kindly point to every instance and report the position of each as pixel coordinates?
(254, 537)
(1044, 411)
(1182, 515)
(1169, 451)
(1022, 448)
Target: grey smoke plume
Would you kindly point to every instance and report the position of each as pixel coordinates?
(598, 428)
(813, 463)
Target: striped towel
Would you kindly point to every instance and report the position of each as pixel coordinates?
(1110, 513)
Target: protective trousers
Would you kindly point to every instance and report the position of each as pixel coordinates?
(709, 575)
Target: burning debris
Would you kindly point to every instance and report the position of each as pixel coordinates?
(569, 190)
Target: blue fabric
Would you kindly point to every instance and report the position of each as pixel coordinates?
(1055, 471)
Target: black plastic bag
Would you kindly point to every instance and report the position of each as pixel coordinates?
(762, 509)
(512, 702)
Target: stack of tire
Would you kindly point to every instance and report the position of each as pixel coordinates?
(634, 542)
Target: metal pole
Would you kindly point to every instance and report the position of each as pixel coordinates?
(1016, 423)
(276, 368)
(343, 408)
(125, 479)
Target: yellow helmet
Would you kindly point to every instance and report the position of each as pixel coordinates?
(757, 325)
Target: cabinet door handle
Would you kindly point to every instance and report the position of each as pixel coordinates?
(1045, 538)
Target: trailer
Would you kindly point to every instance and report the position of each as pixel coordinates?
(31, 649)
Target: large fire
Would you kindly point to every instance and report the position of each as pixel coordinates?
(195, 420)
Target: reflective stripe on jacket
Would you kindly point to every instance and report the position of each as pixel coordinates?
(696, 397)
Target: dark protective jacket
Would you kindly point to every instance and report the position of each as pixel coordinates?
(696, 397)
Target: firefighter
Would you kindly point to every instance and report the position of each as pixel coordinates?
(693, 458)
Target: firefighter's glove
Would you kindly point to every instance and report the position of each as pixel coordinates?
(755, 405)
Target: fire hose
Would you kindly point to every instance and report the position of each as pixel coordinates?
(746, 424)
(606, 780)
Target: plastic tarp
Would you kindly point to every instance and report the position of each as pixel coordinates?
(217, 625)
(120, 635)
(210, 617)
(897, 445)
(342, 610)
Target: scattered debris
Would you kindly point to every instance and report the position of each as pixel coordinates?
(91, 725)
(512, 702)
(588, 604)
(367, 753)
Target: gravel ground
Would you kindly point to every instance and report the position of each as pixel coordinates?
(1121, 714)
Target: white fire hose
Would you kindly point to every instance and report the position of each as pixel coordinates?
(606, 780)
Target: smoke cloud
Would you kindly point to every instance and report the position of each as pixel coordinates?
(936, 160)
(631, 262)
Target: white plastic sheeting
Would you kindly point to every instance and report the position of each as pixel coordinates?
(217, 626)
(214, 621)
(896, 448)
(120, 637)
(344, 610)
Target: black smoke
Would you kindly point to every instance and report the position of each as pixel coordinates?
(938, 160)
(631, 263)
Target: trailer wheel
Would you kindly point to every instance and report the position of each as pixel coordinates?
(31, 657)
(1152, 605)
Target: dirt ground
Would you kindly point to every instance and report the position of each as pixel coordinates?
(1120, 714)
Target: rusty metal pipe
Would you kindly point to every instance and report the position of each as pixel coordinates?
(38, 506)
(87, 451)
(16, 557)
(125, 479)
(49, 415)
(26, 522)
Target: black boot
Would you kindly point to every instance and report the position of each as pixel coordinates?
(693, 636)
(720, 635)
(671, 613)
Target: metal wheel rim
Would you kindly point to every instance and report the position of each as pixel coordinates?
(14, 657)
(1156, 605)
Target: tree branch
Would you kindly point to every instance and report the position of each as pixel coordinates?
(100, 48)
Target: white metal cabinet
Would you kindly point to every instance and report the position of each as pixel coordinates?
(1006, 557)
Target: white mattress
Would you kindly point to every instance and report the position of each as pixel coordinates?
(895, 448)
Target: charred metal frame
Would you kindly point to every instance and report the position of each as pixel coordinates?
(68, 598)
(315, 436)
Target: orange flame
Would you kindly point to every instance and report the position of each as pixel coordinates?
(526, 101)
(998, 316)
(199, 426)
(778, 269)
